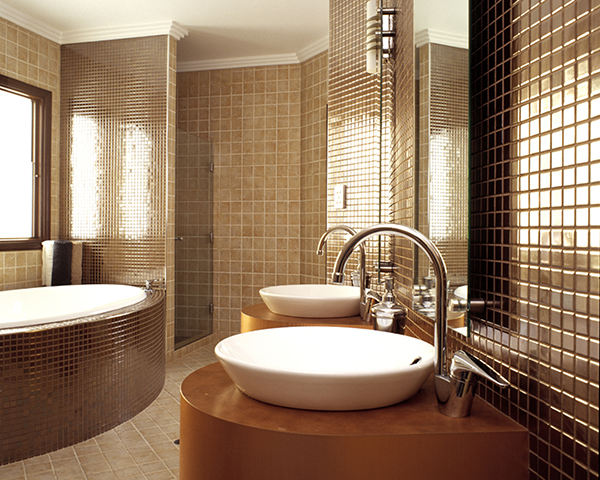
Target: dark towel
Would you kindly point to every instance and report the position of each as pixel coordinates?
(61, 266)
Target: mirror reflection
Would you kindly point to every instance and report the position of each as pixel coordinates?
(442, 146)
(360, 140)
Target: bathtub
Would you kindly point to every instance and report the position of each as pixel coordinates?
(40, 306)
(76, 361)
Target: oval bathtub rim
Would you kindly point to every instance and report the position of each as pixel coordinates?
(151, 297)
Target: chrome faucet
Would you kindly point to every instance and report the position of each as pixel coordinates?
(363, 277)
(454, 391)
(149, 283)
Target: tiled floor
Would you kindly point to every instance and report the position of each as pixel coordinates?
(140, 449)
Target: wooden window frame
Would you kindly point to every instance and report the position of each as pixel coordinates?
(42, 158)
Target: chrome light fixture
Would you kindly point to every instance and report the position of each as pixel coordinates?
(381, 30)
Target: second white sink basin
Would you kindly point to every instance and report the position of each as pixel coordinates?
(312, 300)
(326, 368)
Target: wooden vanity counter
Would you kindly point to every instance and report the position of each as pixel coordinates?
(226, 435)
(257, 317)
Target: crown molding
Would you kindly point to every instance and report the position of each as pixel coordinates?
(441, 38)
(256, 61)
(128, 31)
(240, 62)
(152, 29)
(91, 35)
(309, 52)
(30, 23)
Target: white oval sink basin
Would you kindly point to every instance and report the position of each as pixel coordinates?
(462, 292)
(312, 300)
(326, 368)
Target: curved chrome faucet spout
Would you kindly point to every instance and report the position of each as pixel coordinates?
(330, 230)
(454, 391)
(439, 267)
(362, 271)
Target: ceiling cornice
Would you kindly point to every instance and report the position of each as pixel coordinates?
(30, 23)
(319, 46)
(128, 31)
(153, 29)
(256, 61)
(91, 35)
(441, 38)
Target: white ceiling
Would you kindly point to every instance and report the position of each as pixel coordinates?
(219, 32)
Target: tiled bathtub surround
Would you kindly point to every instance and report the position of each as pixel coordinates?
(142, 448)
(65, 384)
(33, 59)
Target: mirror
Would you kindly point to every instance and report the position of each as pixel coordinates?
(442, 146)
(358, 162)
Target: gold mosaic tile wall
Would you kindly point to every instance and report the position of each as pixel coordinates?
(354, 131)
(443, 164)
(61, 386)
(33, 59)
(252, 117)
(313, 168)
(535, 201)
(118, 160)
(114, 157)
(402, 168)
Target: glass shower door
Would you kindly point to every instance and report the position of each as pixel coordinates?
(193, 239)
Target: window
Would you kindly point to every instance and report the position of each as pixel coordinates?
(25, 139)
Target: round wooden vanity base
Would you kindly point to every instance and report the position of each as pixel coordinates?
(226, 435)
(257, 317)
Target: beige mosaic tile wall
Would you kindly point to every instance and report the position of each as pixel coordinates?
(31, 58)
(252, 117)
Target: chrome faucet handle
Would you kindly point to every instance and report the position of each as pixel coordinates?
(148, 287)
(465, 372)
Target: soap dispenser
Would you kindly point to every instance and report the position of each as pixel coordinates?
(388, 315)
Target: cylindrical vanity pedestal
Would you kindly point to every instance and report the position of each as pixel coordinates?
(226, 435)
(257, 317)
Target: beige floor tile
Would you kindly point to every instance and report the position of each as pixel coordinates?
(63, 453)
(13, 470)
(99, 476)
(35, 468)
(94, 463)
(42, 476)
(70, 470)
(35, 460)
(87, 448)
(129, 473)
(164, 475)
(157, 466)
